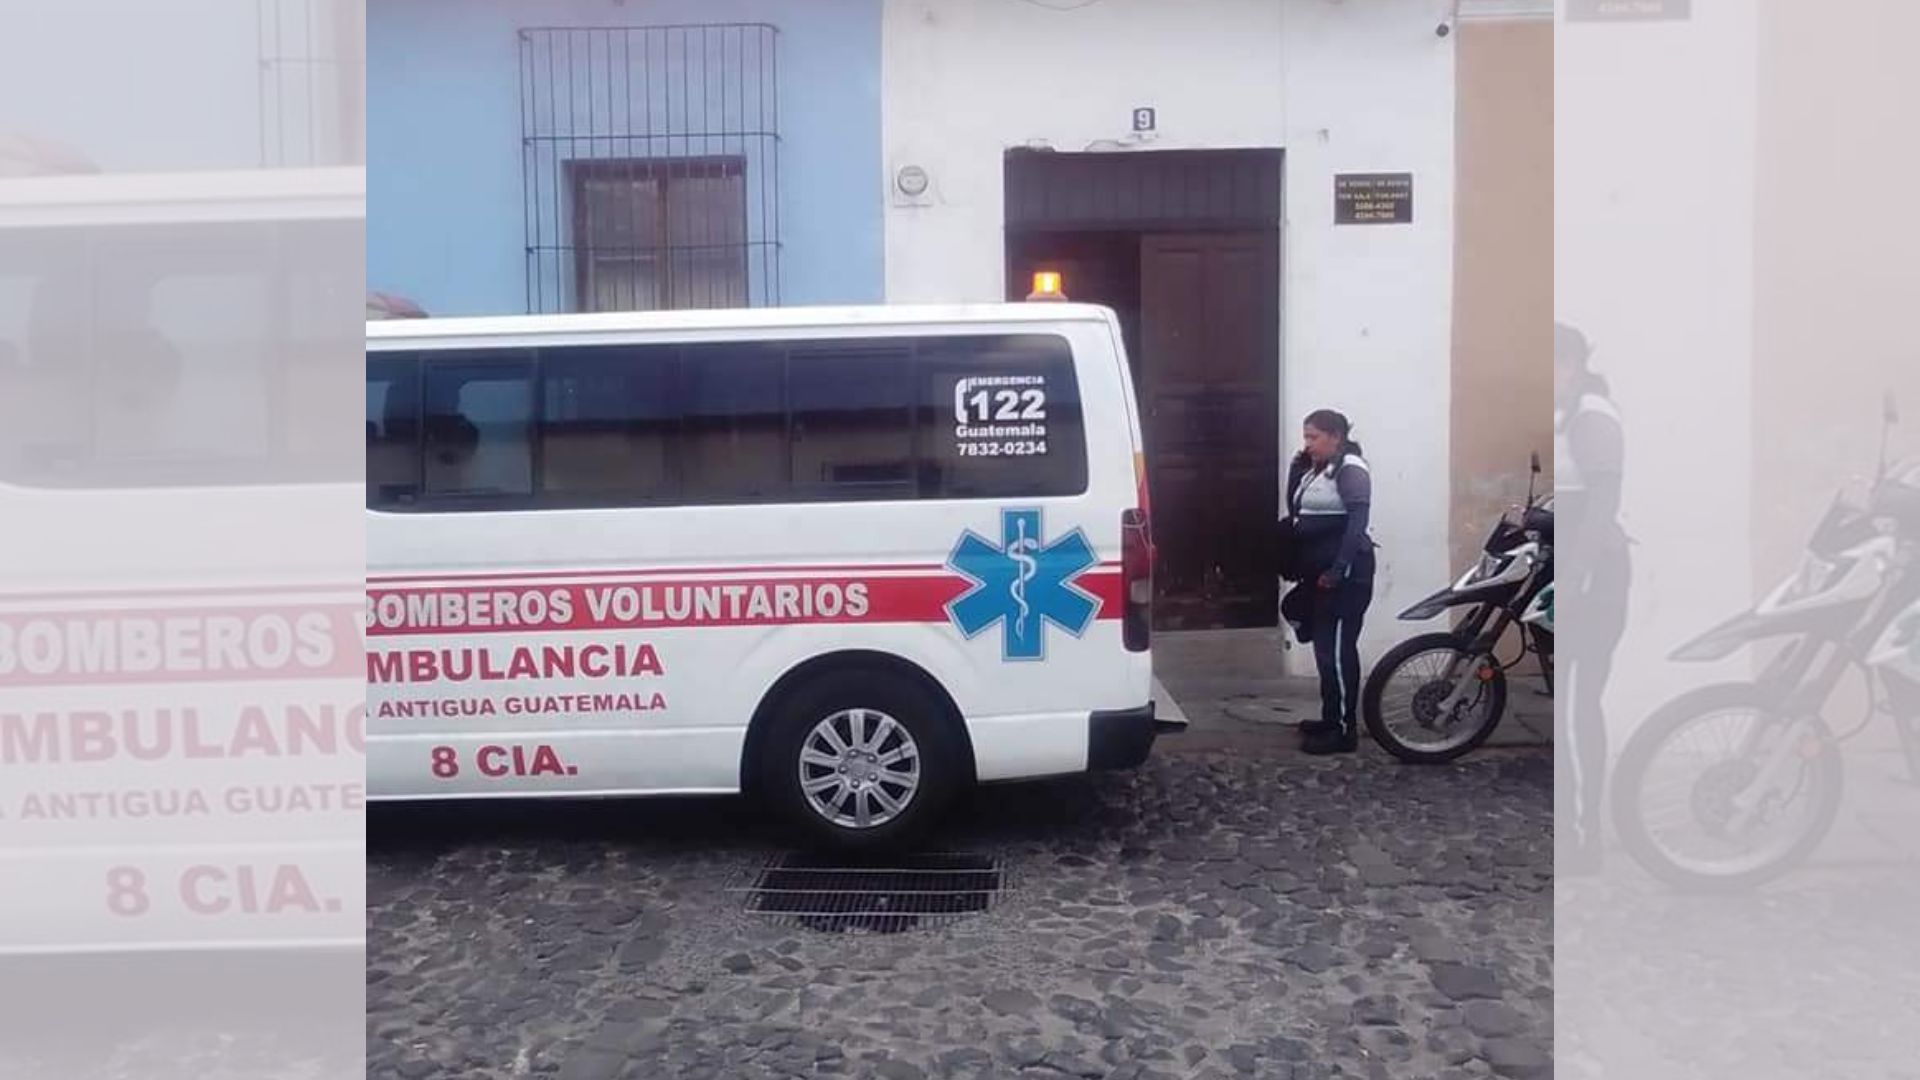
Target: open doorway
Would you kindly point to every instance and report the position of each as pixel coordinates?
(1184, 246)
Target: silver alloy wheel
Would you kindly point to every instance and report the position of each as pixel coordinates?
(859, 768)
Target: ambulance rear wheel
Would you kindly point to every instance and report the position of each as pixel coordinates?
(861, 760)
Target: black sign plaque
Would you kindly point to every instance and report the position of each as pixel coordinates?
(1372, 198)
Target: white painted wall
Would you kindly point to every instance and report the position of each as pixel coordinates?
(1342, 85)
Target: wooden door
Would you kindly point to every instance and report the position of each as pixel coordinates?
(1209, 338)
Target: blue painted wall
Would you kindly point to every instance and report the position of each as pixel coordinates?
(446, 218)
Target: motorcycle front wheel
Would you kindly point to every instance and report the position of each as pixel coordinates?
(1403, 700)
(1693, 800)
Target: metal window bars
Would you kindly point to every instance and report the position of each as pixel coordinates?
(312, 70)
(650, 166)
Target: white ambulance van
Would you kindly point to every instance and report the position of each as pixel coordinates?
(181, 682)
(848, 560)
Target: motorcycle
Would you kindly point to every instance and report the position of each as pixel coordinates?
(1730, 785)
(1437, 696)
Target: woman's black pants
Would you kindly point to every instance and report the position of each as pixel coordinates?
(1337, 616)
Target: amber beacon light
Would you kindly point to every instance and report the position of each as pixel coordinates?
(1046, 286)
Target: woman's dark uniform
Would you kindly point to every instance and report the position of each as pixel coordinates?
(1332, 558)
(1588, 453)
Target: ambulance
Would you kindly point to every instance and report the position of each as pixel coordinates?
(181, 684)
(847, 560)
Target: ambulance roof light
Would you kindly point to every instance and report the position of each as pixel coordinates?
(1047, 285)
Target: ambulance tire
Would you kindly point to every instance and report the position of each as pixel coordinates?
(871, 693)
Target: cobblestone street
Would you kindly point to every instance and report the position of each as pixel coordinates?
(1232, 909)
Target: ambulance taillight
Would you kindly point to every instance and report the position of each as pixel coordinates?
(1136, 580)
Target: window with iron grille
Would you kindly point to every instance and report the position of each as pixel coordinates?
(312, 58)
(651, 167)
(652, 235)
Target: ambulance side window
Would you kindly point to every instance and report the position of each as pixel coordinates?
(1000, 418)
(983, 416)
(478, 427)
(733, 424)
(138, 354)
(393, 429)
(609, 425)
(851, 434)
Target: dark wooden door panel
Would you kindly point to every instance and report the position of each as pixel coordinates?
(1209, 330)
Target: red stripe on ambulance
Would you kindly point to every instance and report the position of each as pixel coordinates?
(94, 647)
(618, 605)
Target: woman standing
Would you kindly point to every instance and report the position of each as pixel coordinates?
(1329, 497)
(1589, 455)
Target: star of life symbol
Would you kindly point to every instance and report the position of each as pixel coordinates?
(1022, 584)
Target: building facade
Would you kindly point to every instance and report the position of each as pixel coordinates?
(1268, 192)
(580, 154)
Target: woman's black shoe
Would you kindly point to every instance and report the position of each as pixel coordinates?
(1315, 727)
(1331, 741)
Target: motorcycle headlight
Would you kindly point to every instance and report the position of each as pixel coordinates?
(1815, 573)
(1489, 567)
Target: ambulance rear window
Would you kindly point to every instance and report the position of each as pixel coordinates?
(1000, 418)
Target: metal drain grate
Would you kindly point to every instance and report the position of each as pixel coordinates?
(885, 895)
